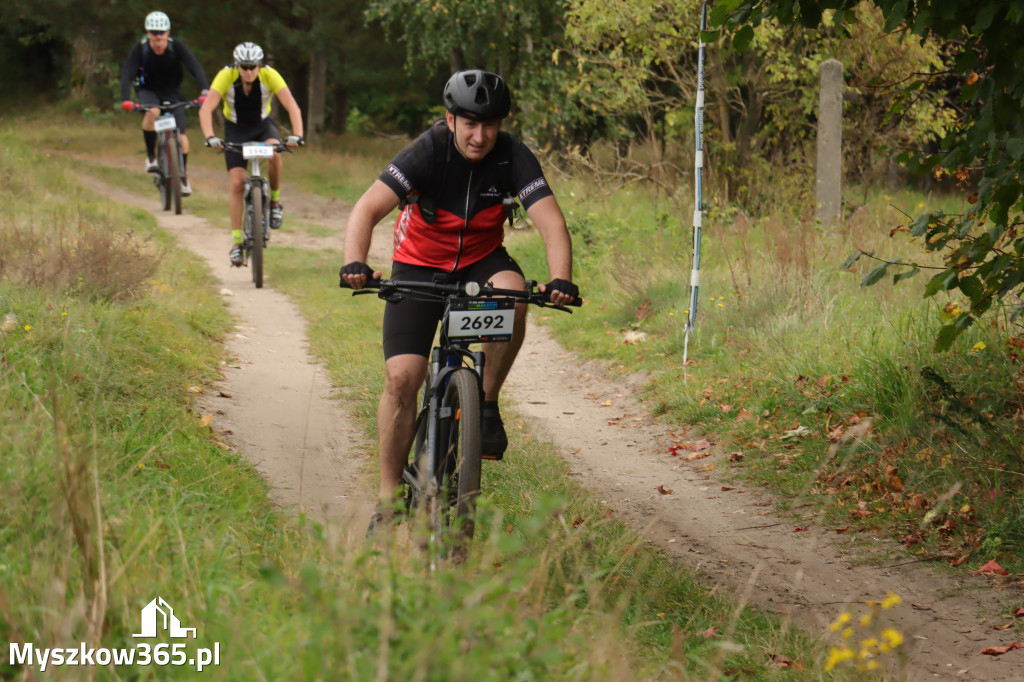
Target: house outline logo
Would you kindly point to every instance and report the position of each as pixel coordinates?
(170, 622)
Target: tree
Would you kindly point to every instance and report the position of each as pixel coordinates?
(983, 248)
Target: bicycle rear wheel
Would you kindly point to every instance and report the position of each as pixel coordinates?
(459, 468)
(256, 197)
(174, 178)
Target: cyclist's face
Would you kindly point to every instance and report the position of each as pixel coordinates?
(158, 40)
(249, 74)
(473, 139)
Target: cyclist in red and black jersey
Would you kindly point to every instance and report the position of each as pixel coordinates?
(154, 67)
(453, 182)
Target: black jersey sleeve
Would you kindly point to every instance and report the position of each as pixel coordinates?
(530, 184)
(130, 70)
(411, 168)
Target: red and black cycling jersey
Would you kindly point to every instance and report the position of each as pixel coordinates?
(161, 73)
(467, 198)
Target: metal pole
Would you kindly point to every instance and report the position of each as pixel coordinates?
(698, 168)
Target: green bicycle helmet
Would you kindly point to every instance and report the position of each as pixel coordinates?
(477, 94)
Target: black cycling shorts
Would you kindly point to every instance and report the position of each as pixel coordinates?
(151, 98)
(259, 132)
(409, 326)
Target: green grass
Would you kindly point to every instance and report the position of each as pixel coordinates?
(786, 339)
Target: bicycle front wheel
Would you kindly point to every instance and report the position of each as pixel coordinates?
(459, 468)
(173, 153)
(164, 179)
(256, 197)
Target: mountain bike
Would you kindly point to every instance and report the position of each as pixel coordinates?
(442, 481)
(256, 212)
(170, 164)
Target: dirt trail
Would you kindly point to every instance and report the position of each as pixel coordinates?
(282, 418)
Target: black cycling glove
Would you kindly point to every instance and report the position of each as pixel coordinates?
(354, 268)
(563, 285)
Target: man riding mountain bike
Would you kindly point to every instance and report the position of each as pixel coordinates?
(247, 88)
(456, 184)
(154, 67)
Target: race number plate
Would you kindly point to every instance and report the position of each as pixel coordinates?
(165, 122)
(257, 150)
(472, 320)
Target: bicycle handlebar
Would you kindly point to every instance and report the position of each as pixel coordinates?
(163, 106)
(386, 289)
(237, 147)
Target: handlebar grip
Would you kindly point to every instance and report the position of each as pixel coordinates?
(371, 285)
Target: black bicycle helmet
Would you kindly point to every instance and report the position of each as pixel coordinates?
(477, 94)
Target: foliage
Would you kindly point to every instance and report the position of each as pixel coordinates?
(983, 248)
(762, 101)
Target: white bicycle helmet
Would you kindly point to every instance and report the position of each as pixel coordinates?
(248, 54)
(158, 21)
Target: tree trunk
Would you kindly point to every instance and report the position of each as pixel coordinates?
(317, 95)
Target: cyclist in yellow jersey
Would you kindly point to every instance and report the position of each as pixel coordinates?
(245, 90)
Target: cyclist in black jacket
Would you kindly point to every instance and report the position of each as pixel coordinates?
(154, 67)
(456, 183)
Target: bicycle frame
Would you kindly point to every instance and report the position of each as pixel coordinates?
(472, 314)
(256, 202)
(170, 171)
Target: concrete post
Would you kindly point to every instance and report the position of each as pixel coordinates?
(828, 185)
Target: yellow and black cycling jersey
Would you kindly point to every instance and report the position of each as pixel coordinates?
(251, 108)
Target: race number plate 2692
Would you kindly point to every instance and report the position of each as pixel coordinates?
(472, 320)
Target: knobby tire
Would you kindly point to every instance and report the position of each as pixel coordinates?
(174, 166)
(256, 197)
(459, 468)
(165, 174)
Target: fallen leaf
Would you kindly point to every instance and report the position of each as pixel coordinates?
(744, 416)
(991, 568)
(709, 633)
(841, 530)
(1008, 626)
(578, 521)
(663, 490)
(727, 488)
(922, 607)
(207, 418)
(800, 529)
(836, 434)
(195, 389)
(735, 456)
(674, 450)
(225, 394)
(702, 444)
(696, 455)
(1019, 612)
(606, 403)
(780, 661)
(960, 560)
(1000, 650)
(799, 432)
